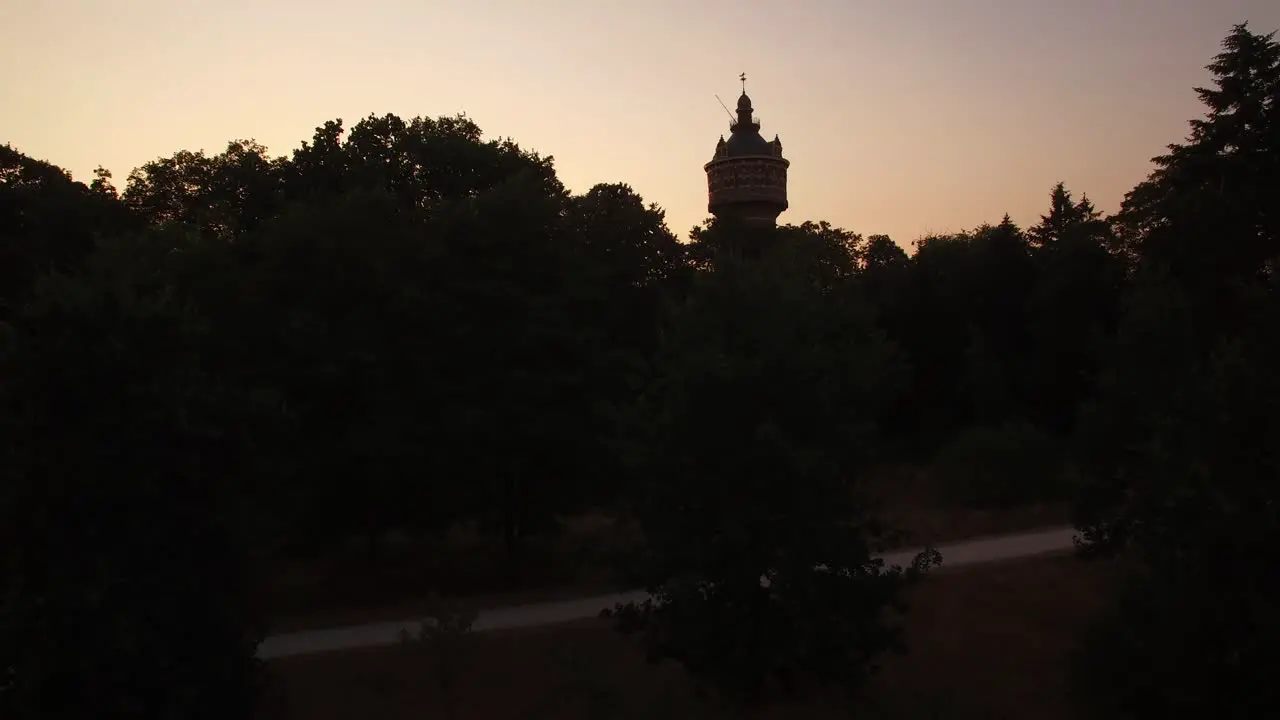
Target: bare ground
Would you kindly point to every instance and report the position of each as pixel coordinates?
(988, 642)
(345, 588)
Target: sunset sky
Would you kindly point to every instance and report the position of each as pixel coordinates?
(898, 116)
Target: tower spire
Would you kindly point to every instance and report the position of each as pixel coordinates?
(743, 78)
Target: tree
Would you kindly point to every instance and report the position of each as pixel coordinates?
(225, 195)
(1184, 488)
(882, 252)
(123, 513)
(320, 169)
(884, 282)
(829, 255)
(625, 268)
(381, 295)
(48, 223)
(883, 279)
(1207, 210)
(518, 368)
(422, 161)
(935, 335)
(332, 305)
(629, 241)
(1064, 215)
(999, 285)
(1072, 309)
(1178, 446)
(756, 424)
(1171, 330)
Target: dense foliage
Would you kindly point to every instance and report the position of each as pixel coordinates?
(405, 327)
(1181, 443)
(759, 419)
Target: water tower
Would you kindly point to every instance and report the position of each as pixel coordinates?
(747, 176)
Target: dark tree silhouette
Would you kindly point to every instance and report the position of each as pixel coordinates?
(242, 362)
(1180, 445)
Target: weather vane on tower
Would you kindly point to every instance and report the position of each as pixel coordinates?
(743, 78)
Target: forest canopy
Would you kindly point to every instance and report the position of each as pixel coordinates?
(404, 327)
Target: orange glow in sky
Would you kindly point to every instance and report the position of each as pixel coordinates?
(898, 116)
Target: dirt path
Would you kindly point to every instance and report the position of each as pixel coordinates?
(954, 555)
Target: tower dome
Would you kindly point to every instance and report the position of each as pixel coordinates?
(747, 175)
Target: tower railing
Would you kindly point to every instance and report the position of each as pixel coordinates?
(755, 120)
(773, 154)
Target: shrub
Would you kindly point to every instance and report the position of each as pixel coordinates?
(1002, 466)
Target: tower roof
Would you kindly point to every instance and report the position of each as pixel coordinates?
(747, 142)
(744, 137)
